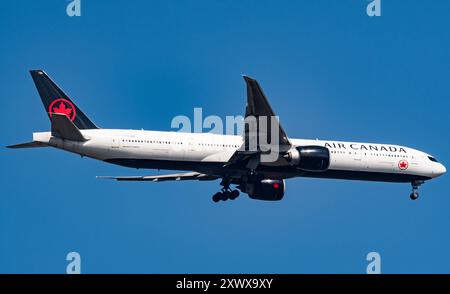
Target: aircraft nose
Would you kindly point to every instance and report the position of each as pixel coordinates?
(440, 170)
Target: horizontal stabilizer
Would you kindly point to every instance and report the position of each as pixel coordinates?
(64, 128)
(162, 178)
(28, 145)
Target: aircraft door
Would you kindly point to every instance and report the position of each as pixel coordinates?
(115, 143)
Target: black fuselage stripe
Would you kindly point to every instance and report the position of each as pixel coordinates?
(217, 168)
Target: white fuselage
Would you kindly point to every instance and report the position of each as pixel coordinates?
(126, 147)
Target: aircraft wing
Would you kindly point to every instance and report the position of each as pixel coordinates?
(162, 178)
(258, 107)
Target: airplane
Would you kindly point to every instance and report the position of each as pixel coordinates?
(207, 156)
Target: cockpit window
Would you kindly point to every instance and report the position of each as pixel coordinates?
(432, 159)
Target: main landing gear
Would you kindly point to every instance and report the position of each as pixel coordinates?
(415, 186)
(225, 193)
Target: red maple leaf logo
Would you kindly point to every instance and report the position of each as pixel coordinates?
(62, 109)
(62, 106)
(403, 164)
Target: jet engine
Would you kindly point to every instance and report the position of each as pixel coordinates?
(309, 158)
(266, 189)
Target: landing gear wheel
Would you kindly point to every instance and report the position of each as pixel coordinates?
(217, 197)
(225, 196)
(234, 194)
(414, 195)
(226, 192)
(415, 186)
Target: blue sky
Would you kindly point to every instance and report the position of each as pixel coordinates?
(330, 71)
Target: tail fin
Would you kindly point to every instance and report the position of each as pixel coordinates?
(56, 101)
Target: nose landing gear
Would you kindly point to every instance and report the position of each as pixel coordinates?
(414, 195)
(415, 186)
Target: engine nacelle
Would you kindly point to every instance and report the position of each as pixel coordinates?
(267, 189)
(309, 158)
